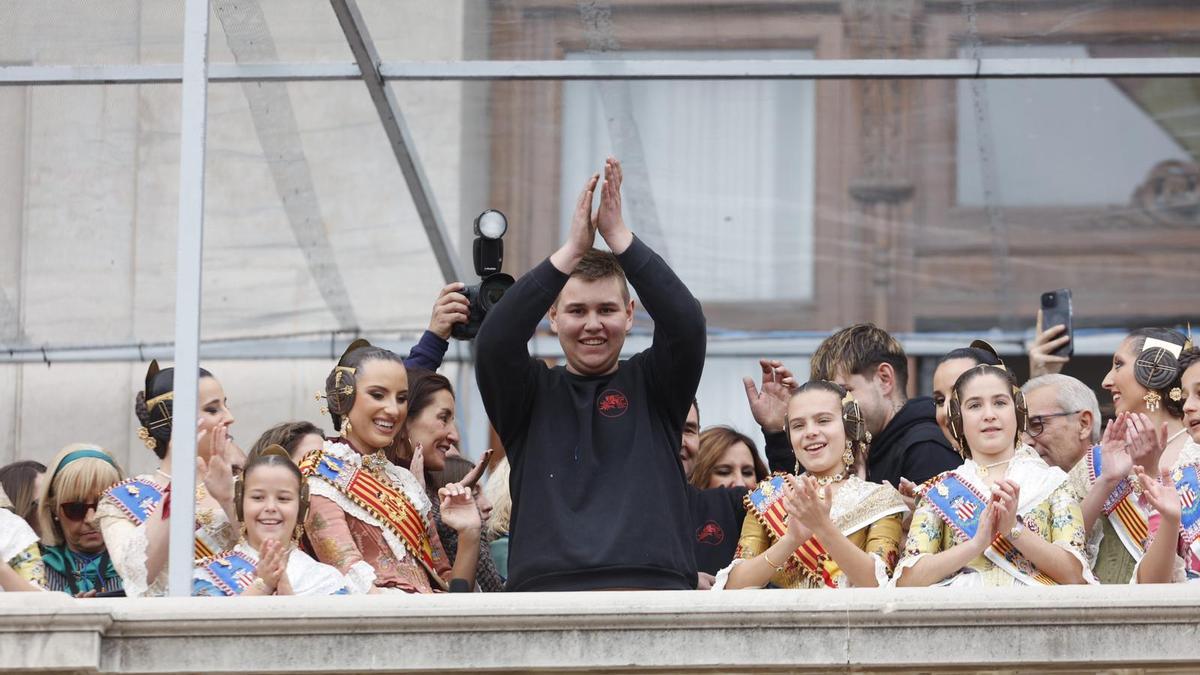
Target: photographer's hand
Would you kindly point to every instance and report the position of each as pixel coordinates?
(451, 307)
(608, 219)
(583, 231)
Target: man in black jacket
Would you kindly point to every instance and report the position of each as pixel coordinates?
(871, 365)
(599, 497)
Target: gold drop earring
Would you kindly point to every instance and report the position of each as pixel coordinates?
(848, 455)
(1152, 400)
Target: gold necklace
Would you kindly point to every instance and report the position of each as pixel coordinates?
(830, 480)
(984, 468)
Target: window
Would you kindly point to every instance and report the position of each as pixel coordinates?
(1054, 142)
(731, 172)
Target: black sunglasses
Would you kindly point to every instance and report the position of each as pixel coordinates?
(77, 510)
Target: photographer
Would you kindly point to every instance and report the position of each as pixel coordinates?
(599, 498)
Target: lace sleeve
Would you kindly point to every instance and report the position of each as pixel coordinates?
(133, 566)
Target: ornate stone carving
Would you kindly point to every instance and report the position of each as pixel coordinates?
(1170, 194)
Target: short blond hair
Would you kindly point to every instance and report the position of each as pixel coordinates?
(496, 490)
(78, 480)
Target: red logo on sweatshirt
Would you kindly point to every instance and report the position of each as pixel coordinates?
(710, 533)
(612, 403)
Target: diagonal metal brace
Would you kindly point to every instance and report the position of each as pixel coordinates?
(401, 140)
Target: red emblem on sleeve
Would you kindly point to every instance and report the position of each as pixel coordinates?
(612, 403)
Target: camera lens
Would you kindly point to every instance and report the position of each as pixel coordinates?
(492, 289)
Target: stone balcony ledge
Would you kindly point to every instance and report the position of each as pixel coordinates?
(1150, 628)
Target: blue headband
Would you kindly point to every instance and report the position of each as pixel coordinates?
(82, 454)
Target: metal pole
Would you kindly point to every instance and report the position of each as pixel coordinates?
(189, 260)
(399, 137)
(613, 69)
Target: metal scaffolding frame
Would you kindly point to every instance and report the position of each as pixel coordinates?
(195, 73)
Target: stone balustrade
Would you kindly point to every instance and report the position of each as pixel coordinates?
(1150, 628)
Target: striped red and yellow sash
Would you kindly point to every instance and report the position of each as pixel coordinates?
(391, 507)
(767, 505)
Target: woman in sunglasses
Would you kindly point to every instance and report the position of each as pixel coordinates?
(73, 549)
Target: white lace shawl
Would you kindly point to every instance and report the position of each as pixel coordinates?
(127, 543)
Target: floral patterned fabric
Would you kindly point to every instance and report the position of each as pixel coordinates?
(29, 566)
(1111, 562)
(19, 547)
(854, 504)
(343, 534)
(1056, 519)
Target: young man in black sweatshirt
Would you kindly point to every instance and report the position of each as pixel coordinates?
(599, 496)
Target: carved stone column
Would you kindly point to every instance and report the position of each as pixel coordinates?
(883, 188)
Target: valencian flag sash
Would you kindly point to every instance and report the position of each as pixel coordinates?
(1187, 484)
(137, 498)
(1126, 518)
(767, 504)
(389, 506)
(961, 506)
(232, 572)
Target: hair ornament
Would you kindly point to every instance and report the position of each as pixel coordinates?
(1157, 366)
(144, 434)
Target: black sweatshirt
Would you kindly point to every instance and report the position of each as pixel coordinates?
(912, 445)
(717, 517)
(599, 496)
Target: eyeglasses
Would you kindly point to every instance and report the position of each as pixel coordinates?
(1038, 424)
(77, 510)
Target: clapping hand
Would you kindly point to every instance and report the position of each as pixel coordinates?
(769, 404)
(583, 230)
(272, 567)
(1143, 440)
(812, 503)
(1007, 495)
(1160, 492)
(1115, 460)
(796, 529)
(609, 221)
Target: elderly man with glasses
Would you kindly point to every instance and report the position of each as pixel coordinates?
(1064, 419)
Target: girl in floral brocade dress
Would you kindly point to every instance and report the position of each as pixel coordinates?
(828, 528)
(1003, 488)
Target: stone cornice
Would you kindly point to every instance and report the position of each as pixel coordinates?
(902, 629)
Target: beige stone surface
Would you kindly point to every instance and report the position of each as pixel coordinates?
(1067, 629)
(89, 201)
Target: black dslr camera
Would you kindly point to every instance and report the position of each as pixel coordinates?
(488, 254)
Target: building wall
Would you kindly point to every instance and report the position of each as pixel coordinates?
(89, 203)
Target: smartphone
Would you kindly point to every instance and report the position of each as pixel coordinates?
(1056, 310)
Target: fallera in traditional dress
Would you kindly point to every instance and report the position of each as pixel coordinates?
(870, 515)
(371, 519)
(122, 513)
(951, 504)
